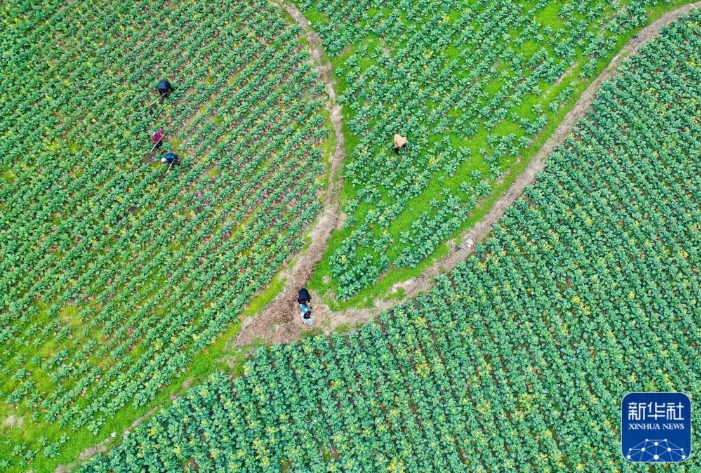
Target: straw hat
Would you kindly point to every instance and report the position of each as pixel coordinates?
(400, 141)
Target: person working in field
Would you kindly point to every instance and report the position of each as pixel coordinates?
(164, 89)
(304, 299)
(399, 142)
(170, 158)
(306, 314)
(157, 138)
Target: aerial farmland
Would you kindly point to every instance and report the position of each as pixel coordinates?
(332, 236)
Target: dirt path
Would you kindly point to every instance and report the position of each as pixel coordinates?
(280, 322)
(482, 229)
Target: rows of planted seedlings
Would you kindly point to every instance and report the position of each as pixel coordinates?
(519, 358)
(471, 84)
(114, 271)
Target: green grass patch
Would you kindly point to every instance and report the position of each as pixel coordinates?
(549, 16)
(8, 175)
(220, 355)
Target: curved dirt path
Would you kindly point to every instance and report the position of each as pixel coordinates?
(482, 229)
(277, 321)
(299, 274)
(280, 322)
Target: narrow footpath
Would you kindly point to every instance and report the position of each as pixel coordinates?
(278, 322)
(281, 323)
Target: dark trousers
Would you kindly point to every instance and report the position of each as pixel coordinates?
(396, 150)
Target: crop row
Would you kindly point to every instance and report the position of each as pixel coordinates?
(471, 84)
(517, 360)
(114, 273)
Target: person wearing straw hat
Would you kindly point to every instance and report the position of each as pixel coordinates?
(399, 142)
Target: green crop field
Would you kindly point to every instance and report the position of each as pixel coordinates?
(135, 295)
(517, 360)
(115, 271)
(473, 85)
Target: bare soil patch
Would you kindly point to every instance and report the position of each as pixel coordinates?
(280, 322)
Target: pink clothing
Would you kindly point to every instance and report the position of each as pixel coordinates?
(158, 136)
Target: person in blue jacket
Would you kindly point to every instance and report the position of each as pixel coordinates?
(170, 158)
(164, 89)
(306, 314)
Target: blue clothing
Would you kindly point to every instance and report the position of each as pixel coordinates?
(164, 88)
(171, 158)
(306, 314)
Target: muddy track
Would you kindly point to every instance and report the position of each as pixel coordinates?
(280, 322)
